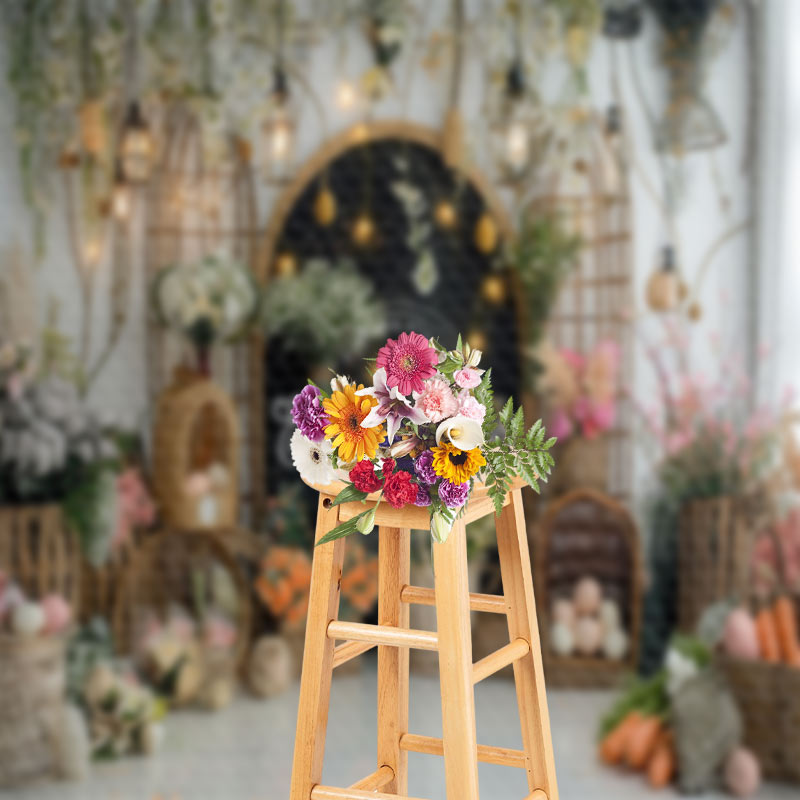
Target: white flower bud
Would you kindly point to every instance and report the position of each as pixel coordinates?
(366, 523)
(440, 528)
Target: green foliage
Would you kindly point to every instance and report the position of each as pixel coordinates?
(522, 453)
(543, 254)
(485, 394)
(345, 529)
(648, 696)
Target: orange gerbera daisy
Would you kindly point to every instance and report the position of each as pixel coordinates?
(346, 412)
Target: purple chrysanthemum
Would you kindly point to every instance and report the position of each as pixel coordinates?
(308, 414)
(453, 495)
(423, 466)
(423, 498)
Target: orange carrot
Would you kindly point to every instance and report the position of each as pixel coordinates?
(612, 748)
(661, 767)
(642, 742)
(786, 624)
(768, 636)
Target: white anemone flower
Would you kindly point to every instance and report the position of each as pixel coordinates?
(312, 459)
(463, 432)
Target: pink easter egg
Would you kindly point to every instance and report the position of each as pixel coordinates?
(739, 637)
(742, 773)
(57, 613)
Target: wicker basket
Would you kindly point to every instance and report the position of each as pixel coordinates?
(161, 575)
(32, 690)
(768, 696)
(39, 552)
(587, 532)
(715, 545)
(196, 434)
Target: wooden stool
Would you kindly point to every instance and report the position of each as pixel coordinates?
(393, 637)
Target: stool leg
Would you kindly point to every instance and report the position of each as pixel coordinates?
(315, 682)
(455, 665)
(394, 560)
(515, 568)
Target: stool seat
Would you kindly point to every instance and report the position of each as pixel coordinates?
(413, 517)
(452, 641)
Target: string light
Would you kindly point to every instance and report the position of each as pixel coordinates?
(346, 96)
(92, 251)
(517, 145)
(120, 195)
(137, 149)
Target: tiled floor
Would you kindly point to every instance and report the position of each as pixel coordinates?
(245, 752)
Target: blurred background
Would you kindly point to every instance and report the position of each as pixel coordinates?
(205, 202)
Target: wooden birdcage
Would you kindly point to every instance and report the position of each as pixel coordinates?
(590, 196)
(196, 455)
(586, 532)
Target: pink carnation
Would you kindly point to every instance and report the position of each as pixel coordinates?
(468, 377)
(469, 407)
(437, 401)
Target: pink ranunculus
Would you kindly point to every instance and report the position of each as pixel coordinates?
(468, 406)
(468, 377)
(437, 401)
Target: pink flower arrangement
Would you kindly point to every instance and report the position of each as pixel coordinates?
(581, 389)
(135, 507)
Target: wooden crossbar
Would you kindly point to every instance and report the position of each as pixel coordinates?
(348, 651)
(537, 795)
(383, 634)
(419, 595)
(432, 746)
(494, 662)
(332, 793)
(376, 781)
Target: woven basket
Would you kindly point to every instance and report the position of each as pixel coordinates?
(587, 532)
(39, 552)
(160, 576)
(32, 690)
(715, 545)
(196, 427)
(768, 696)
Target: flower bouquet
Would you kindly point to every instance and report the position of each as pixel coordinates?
(422, 435)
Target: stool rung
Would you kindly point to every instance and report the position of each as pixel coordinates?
(332, 793)
(537, 795)
(419, 595)
(504, 756)
(376, 781)
(383, 634)
(348, 651)
(494, 662)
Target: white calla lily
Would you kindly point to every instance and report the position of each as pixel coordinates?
(462, 432)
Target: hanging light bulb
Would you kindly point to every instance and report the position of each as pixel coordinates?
(279, 127)
(363, 229)
(137, 148)
(346, 95)
(445, 214)
(517, 145)
(663, 287)
(92, 251)
(120, 195)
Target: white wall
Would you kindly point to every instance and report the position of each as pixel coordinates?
(700, 219)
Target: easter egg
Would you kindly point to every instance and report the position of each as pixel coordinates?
(739, 637)
(57, 613)
(588, 636)
(564, 612)
(27, 619)
(615, 644)
(562, 641)
(588, 595)
(741, 773)
(610, 615)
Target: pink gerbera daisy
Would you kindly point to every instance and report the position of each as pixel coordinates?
(408, 362)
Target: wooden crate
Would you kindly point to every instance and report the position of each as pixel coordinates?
(39, 552)
(587, 532)
(715, 544)
(768, 697)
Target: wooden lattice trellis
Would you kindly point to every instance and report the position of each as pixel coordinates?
(596, 301)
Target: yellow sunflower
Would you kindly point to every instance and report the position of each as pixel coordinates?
(346, 412)
(457, 466)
